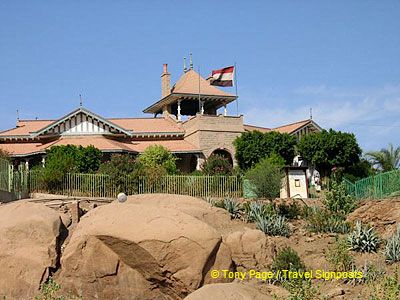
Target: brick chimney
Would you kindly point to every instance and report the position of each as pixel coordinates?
(165, 82)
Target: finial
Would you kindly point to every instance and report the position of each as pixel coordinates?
(80, 100)
(17, 115)
(310, 113)
(190, 61)
(184, 64)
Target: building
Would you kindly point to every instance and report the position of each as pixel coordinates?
(186, 121)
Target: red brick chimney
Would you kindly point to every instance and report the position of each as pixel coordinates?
(165, 82)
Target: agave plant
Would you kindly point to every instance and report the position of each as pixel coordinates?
(273, 225)
(363, 239)
(392, 248)
(253, 210)
(233, 207)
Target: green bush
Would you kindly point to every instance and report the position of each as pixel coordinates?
(290, 211)
(156, 156)
(337, 201)
(386, 288)
(254, 210)
(233, 207)
(392, 248)
(323, 221)
(301, 290)
(274, 225)
(339, 256)
(287, 259)
(217, 165)
(266, 179)
(363, 239)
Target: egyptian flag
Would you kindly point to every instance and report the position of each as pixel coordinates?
(222, 77)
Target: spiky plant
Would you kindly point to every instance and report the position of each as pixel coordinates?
(254, 209)
(392, 248)
(387, 159)
(363, 239)
(273, 225)
(233, 207)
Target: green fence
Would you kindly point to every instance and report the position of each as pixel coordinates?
(13, 181)
(99, 185)
(379, 186)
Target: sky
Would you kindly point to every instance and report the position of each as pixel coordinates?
(340, 58)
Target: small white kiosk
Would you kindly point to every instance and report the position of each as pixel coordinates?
(295, 183)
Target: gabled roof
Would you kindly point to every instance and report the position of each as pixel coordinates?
(189, 84)
(76, 112)
(292, 127)
(258, 128)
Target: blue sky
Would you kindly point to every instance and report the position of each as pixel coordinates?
(342, 58)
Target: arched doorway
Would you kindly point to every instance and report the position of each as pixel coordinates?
(224, 153)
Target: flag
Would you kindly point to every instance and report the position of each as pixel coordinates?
(222, 77)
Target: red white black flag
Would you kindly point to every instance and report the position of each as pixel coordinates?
(223, 77)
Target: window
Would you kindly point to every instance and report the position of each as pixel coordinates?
(297, 182)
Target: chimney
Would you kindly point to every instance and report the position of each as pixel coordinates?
(165, 82)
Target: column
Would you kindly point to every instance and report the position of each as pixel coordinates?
(202, 107)
(225, 111)
(179, 110)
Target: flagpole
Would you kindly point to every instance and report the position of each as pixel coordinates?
(236, 91)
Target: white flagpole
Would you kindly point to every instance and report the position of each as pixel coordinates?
(200, 106)
(237, 101)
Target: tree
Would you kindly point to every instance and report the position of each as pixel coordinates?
(253, 146)
(61, 160)
(266, 178)
(328, 149)
(157, 156)
(217, 165)
(386, 159)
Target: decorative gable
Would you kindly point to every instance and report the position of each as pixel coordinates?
(82, 122)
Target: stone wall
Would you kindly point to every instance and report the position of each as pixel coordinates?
(210, 133)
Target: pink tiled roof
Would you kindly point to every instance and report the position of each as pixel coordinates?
(100, 142)
(25, 127)
(291, 127)
(252, 128)
(189, 84)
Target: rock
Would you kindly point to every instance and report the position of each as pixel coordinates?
(215, 217)
(228, 291)
(250, 248)
(133, 250)
(338, 291)
(29, 235)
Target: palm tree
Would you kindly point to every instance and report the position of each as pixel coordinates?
(386, 159)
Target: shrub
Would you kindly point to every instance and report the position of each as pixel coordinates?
(232, 207)
(323, 221)
(370, 274)
(254, 210)
(392, 248)
(273, 225)
(363, 239)
(266, 179)
(387, 288)
(337, 201)
(301, 290)
(155, 156)
(339, 257)
(288, 259)
(217, 165)
(290, 211)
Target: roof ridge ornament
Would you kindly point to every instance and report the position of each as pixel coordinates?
(184, 65)
(190, 61)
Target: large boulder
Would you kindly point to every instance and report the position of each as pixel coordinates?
(228, 291)
(217, 218)
(134, 250)
(251, 249)
(29, 243)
